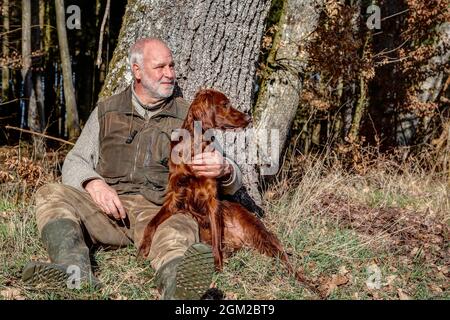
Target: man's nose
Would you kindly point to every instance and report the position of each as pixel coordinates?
(169, 73)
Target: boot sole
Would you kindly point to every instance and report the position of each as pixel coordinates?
(36, 273)
(54, 275)
(195, 272)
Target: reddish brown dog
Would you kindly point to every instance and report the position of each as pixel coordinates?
(223, 224)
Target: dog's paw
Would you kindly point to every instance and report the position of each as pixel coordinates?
(143, 252)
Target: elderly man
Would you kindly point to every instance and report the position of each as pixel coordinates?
(114, 183)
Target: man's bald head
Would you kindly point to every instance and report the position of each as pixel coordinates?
(137, 50)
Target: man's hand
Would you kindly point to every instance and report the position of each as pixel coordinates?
(211, 165)
(106, 198)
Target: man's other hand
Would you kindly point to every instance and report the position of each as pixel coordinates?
(211, 165)
(106, 198)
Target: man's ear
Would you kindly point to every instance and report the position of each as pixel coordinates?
(136, 71)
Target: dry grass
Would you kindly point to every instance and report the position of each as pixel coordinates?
(382, 234)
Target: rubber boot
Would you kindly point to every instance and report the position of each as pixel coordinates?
(187, 277)
(70, 263)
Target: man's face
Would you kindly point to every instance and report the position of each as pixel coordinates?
(157, 74)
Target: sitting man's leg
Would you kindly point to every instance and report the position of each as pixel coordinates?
(184, 266)
(60, 213)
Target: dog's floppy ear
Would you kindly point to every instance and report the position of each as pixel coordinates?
(201, 109)
(208, 111)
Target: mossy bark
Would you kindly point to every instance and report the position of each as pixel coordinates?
(279, 97)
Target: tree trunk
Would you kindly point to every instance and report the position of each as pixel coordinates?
(28, 90)
(36, 98)
(280, 94)
(5, 49)
(40, 96)
(215, 43)
(73, 127)
(435, 85)
(431, 88)
(47, 34)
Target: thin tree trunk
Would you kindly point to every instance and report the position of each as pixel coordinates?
(69, 91)
(280, 95)
(47, 34)
(102, 31)
(361, 106)
(26, 37)
(360, 110)
(5, 49)
(39, 78)
(28, 95)
(36, 103)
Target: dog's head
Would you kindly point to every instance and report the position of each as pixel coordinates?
(214, 110)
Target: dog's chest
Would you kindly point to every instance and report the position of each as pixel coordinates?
(196, 193)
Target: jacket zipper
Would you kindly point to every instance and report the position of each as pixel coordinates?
(137, 149)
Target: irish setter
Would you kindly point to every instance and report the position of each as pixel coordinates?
(224, 225)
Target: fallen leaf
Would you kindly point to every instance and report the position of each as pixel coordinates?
(435, 288)
(332, 283)
(390, 280)
(443, 269)
(231, 296)
(414, 252)
(402, 295)
(374, 295)
(311, 265)
(11, 294)
(441, 276)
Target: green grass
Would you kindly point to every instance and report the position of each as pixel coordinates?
(318, 243)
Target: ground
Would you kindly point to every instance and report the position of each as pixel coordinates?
(382, 234)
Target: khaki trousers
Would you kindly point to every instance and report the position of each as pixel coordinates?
(172, 238)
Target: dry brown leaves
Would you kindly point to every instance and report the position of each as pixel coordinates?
(407, 232)
(25, 169)
(16, 168)
(330, 284)
(11, 294)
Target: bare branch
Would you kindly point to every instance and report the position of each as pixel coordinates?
(40, 134)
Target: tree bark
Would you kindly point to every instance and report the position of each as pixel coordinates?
(432, 86)
(47, 34)
(5, 49)
(215, 43)
(73, 127)
(279, 98)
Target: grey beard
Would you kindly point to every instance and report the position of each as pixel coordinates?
(153, 92)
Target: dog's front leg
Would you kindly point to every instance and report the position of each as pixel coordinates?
(149, 232)
(216, 222)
